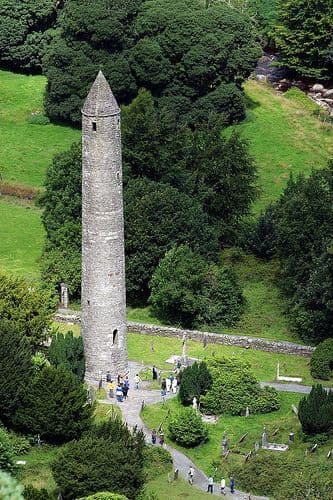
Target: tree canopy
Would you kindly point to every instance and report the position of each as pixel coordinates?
(25, 32)
(174, 48)
(303, 35)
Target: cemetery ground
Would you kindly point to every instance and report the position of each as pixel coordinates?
(262, 363)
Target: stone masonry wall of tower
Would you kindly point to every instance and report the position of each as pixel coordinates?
(103, 298)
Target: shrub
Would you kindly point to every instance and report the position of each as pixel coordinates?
(186, 428)
(195, 381)
(27, 306)
(39, 360)
(6, 452)
(31, 493)
(9, 487)
(20, 444)
(109, 457)
(67, 351)
(55, 406)
(234, 388)
(186, 289)
(284, 476)
(315, 411)
(321, 364)
(15, 369)
(227, 99)
(38, 119)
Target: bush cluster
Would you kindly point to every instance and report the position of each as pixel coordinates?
(321, 364)
(108, 457)
(315, 411)
(66, 350)
(54, 405)
(186, 289)
(194, 382)
(186, 428)
(234, 388)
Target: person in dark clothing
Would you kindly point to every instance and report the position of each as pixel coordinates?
(155, 374)
(163, 385)
(153, 436)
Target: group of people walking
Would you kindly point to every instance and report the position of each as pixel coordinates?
(122, 388)
(210, 486)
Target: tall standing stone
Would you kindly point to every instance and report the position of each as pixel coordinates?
(103, 297)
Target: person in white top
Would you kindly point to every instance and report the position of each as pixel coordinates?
(223, 486)
(174, 385)
(190, 475)
(137, 381)
(168, 384)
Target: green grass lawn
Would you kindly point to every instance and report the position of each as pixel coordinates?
(26, 149)
(21, 238)
(285, 137)
(208, 455)
(262, 363)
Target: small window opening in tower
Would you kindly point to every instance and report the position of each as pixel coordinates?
(88, 302)
(115, 337)
(94, 126)
(118, 177)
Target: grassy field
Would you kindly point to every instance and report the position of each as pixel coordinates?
(208, 456)
(27, 149)
(285, 137)
(262, 363)
(21, 237)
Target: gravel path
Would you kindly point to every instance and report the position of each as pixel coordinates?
(302, 389)
(131, 413)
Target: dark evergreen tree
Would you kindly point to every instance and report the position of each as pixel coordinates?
(262, 238)
(301, 232)
(156, 217)
(107, 458)
(28, 307)
(171, 47)
(25, 32)
(15, 369)
(67, 351)
(321, 364)
(315, 411)
(186, 289)
(195, 382)
(55, 406)
(303, 33)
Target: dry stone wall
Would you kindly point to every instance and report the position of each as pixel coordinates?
(212, 338)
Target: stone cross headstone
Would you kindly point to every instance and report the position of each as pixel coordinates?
(184, 355)
(225, 444)
(64, 295)
(264, 440)
(247, 412)
(195, 404)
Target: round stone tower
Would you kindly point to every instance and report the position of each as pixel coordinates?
(103, 298)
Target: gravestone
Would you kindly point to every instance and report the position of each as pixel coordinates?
(247, 412)
(256, 446)
(225, 444)
(243, 437)
(264, 440)
(64, 295)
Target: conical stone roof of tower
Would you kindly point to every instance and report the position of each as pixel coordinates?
(100, 101)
